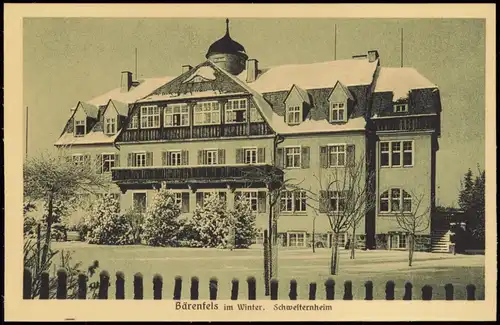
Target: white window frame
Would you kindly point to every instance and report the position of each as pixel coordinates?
(296, 233)
(299, 154)
(401, 152)
(296, 112)
(299, 196)
(398, 237)
(251, 196)
(110, 122)
(150, 120)
(136, 158)
(178, 153)
(337, 196)
(199, 113)
(293, 197)
(231, 110)
(338, 107)
(400, 108)
(402, 198)
(134, 122)
(214, 153)
(80, 123)
(253, 152)
(80, 161)
(337, 153)
(146, 197)
(108, 160)
(178, 199)
(171, 110)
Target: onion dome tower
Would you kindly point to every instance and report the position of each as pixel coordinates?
(228, 54)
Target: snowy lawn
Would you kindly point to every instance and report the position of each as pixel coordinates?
(300, 264)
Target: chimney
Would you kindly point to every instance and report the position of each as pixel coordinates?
(360, 57)
(372, 55)
(186, 68)
(252, 69)
(126, 81)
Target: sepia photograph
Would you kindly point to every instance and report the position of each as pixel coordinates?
(221, 162)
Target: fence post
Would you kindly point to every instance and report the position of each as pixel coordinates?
(274, 289)
(177, 287)
(426, 292)
(252, 289)
(368, 290)
(157, 286)
(293, 290)
(82, 286)
(212, 288)
(27, 284)
(408, 291)
(234, 289)
(138, 286)
(348, 290)
(120, 286)
(62, 290)
(471, 292)
(330, 289)
(312, 291)
(266, 245)
(448, 288)
(389, 290)
(44, 285)
(194, 288)
(103, 285)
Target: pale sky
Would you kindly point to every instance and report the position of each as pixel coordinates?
(68, 60)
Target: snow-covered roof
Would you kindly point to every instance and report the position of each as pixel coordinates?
(92, 137)
(196, 94)
(89, 109)
(303, 94)
(346, 90)
(313, 75)
(401, 81)
(122, 108)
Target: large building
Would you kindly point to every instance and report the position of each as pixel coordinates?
(205, 129)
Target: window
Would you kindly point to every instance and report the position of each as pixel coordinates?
(212, 156)
(176, 115)
(252, 198)
(250, 156)
(134, 122)
(150, 117)
(394, 200)
(78, 159)
(110, 125)
(337, 201)
(293, 115)
(292, 157)
(206, 113)
(400, 108)
(174, 158)
(178, 199)
(337, 112)
(255, 115)
(398, 241)
(293, 201)
(296, 239)
(79, 128)
(108, 162)
(391, 152)
(140, 159)
(341, 238)
(139, 201)
(236, 110)
(337, 155)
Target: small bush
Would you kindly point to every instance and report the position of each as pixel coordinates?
(244, 224)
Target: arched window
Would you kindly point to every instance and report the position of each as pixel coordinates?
(395, 199)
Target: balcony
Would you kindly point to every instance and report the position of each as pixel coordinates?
(405, 123)
(194, 174)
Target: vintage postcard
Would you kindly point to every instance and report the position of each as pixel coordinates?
(250, 162)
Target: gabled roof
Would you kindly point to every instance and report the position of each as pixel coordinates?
(121, 108)
(344, 88)
(400, 81)
(89, 109)
(352, 72)
(302, 93)
(93, 137)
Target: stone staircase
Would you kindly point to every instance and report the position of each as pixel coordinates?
(439, 241)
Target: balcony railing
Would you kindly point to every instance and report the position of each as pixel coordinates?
(408, 123)
(194, 174)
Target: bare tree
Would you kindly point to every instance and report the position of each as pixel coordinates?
(412, 219)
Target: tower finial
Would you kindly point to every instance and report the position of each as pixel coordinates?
(227, 25)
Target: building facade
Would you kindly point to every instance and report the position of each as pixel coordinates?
(222, 124)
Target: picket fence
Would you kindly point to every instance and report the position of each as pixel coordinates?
(329, 287)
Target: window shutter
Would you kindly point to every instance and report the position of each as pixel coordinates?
(240, 156)
(279, 158)
(185, 157)
(168, 158)
(149, 159)
(163, 158)
(222, 156)
(199, 199)
(237, 197)
(200, 157)
(322, 202)
(261, 155)
(262, 201)
(350, 153)
(117, 160)
(99, 163)
(305, 157)
(130, 160)
(185, 202)
(323, 156)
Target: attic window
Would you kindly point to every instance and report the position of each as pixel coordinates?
(337, 112)
(79, 128)
(400, 108)
(293, 115)
(110, 125)
(176, 115)
(236, 110)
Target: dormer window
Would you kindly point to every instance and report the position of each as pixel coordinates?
(176, 115)
(400, 108)
(110, 125)
(293, 114)
(337, 112)
(207, 113)
(236, 110)
(80, 128)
